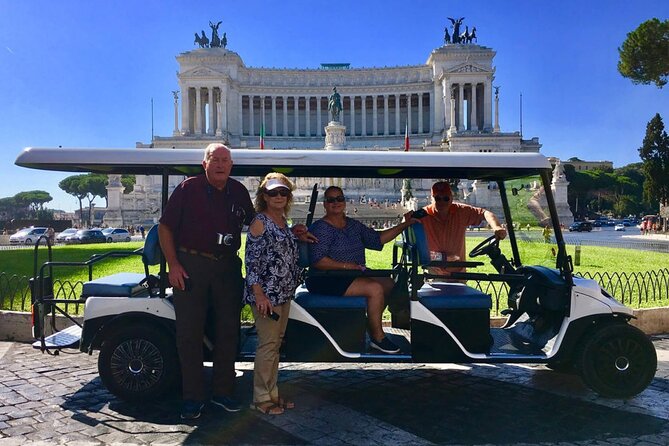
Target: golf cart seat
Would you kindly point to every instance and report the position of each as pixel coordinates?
(461, 308)
(130, 284)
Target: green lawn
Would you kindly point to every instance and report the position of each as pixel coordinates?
(593, 260)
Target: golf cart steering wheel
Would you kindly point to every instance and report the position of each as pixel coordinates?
(485, 247)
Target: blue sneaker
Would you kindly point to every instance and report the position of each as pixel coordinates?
(385, 345)
(190, 410)
(227, 403)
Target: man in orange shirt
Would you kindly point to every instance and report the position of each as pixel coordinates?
(445, 225)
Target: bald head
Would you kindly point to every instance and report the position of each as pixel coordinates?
(217, 164)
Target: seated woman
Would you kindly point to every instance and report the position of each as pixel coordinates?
(341, 246)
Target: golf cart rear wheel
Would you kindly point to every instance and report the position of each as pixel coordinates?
(139, 363)
(618, 361)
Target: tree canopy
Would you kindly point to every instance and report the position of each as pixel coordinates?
(654, 153)
(617, 191)
(86, 186)
(644, 55)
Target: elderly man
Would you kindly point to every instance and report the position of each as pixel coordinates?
(200, 234)
(445, 225)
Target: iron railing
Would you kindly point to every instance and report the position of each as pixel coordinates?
(636, 289)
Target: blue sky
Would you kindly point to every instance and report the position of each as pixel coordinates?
(81, 73)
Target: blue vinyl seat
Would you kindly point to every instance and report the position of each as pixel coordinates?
(130, 284)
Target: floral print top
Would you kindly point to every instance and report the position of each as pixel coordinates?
(272, 261)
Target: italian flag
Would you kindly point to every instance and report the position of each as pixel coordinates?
(262, 136)
(406, 138)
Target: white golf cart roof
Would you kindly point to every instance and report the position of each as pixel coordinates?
(297, 163)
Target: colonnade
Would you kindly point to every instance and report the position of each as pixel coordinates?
(203, 111)
(469, 105)
(206, 111)
(363, 115)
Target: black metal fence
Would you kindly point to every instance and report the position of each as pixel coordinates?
(15, 292)
(641, 289)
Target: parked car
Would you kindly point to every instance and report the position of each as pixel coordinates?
(116, 235)
(619, 227)
(26, 236)
(87, 236)
(580, 226)
(65, 234)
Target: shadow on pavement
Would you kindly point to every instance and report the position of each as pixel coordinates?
(447, 406)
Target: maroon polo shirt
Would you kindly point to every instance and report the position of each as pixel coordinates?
(196, 212)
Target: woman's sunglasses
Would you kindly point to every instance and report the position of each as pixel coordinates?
(275, 192)
(338, 198)
(444, 198)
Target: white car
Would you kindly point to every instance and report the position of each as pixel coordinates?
(116, 235)
(619, 227)
(65, 234)
(26, 236)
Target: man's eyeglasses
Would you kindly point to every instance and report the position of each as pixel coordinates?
(279, 191)
(444, 198)
(337, 199)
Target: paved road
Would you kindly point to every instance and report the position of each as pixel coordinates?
(61, 400)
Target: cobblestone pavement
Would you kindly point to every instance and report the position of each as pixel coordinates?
(60, 399)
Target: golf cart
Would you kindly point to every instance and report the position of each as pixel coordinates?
(553, 317)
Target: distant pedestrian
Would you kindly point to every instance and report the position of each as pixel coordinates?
(141, 230)
(547, 234)
(51, 234)
(527, 227)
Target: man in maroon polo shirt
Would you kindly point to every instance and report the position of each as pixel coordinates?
(200, 234)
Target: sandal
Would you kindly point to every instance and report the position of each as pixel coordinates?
(284, 404)
(268, 408)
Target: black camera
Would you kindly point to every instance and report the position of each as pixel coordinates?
(420, 213)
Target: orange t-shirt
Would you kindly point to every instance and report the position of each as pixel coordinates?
(447, 234)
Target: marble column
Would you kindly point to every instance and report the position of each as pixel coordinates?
(319, 120)
(363, 115)
(409, 123)
(453, 128)
(440, 107)
(212, 113)
(307, 113)
(397, 115)
(285, 116)
(198, 111)
(385, 115)
(432, 112)
(375, 116)
(352, 118)
(420, 113)
(185, 110)
(252, 123)
(496, 128)
(473, 110)
(262, 115)
(461, 107)
(296, 102)
(487, 104)
(240, 115)
(222, 111)
(273, 116)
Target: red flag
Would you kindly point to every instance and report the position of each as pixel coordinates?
(406, 138)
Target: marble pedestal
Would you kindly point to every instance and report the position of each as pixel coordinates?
(335, 136)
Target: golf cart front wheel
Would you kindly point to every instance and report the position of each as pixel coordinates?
(618, 361)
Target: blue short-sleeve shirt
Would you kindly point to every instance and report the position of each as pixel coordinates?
(343, 245)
